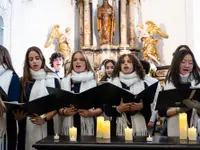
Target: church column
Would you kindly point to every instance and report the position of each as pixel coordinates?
(81, 18)
(123, 24)
(87, 25)
(131, 24)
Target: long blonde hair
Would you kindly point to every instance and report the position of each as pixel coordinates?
(2, 108)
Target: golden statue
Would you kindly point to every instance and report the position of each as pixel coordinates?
(149, 50)
(105, 23)
(62, 39)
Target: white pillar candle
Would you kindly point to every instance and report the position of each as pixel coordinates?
(183, 125)
(73, 134)
(99, 131)
(192, 134)
(128, 134)
(106, 129)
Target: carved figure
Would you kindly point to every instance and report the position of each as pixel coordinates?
(62, 39)
(149, 50)
(105, 23)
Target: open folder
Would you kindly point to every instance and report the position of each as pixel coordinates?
(175, 97)
(105, 93)
(39, 106)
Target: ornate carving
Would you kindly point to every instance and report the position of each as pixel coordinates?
(105, 23)
(149, 50)
(62, 39)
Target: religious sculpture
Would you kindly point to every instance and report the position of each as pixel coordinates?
(62, 39)
(105, 23)
(149, 50)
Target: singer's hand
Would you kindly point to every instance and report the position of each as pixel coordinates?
(69, 111)
(86, 113)
(19, 115)
(137, 106)
(123, 107)
(37, 120)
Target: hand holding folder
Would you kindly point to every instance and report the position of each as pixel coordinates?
(178, 98)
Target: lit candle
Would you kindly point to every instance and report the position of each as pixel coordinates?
(128, 134)
(183, 125)
(73, 133)
(100, 121)
(106, 129)
(56, 137)
(149, 139)
(192, 133)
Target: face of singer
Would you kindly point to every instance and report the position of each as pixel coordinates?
(127, 65)
(109, 69)
(35, 61)
(57, 63)
(186, 65)
(79, 64)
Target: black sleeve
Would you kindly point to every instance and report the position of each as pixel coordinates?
(162, 112)
(111, 111)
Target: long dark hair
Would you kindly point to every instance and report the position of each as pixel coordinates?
(137, 66)
(27, 77)
(5, 58)
(181, 47)
(173, 73)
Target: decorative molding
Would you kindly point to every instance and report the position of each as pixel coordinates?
(5, 13)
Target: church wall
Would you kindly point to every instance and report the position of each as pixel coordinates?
(196, 29)
(32, 22)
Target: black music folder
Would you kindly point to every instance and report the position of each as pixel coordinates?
(39, 106)
(175, 97)
(105, 93)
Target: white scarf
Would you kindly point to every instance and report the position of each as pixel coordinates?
(35, 132)
(173, 122)
(137, 120)
(149, 81)
(185, 78)
(87, 81)
(5, 80)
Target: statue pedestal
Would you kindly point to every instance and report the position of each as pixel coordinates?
(161, 73)
(96, 56)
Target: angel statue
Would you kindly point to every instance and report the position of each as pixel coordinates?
(62, 39)
(149, 51)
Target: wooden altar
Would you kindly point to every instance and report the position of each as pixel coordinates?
(119, 143)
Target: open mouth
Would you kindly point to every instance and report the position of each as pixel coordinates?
(126, 68)
(35, 66)
(185, 70)
(78, 66)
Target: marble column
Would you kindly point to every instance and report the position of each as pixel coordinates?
(81, 18)
(87, 25)
(131, 24)
(123, 24)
